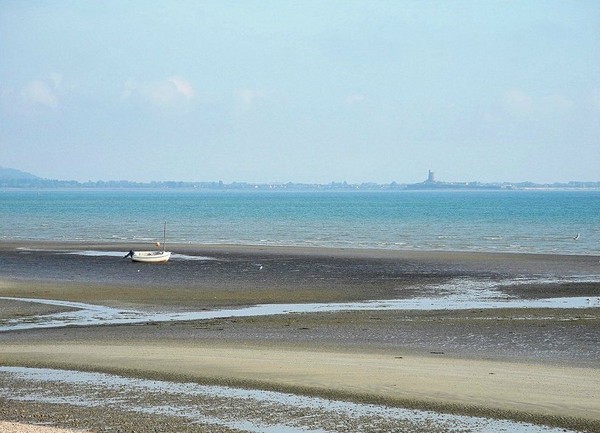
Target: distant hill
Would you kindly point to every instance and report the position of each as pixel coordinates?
(14, 174)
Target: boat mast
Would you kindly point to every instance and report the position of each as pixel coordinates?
(164, 237)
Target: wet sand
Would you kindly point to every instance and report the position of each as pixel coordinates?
(540, 365)
(11, 427)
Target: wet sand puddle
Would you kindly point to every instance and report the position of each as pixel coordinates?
(235, 408)
(95, 253)
(459, 294)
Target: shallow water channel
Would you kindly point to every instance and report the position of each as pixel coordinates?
(459, 294)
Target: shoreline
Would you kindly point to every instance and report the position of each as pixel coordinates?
(343, 251)
(430, 356)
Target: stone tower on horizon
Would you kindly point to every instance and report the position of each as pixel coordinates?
(431, 177)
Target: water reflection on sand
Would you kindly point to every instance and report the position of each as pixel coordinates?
(246, 410)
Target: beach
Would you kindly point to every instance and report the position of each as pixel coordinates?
(537, 365)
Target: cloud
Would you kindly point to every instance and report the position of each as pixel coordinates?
(517, 101)
(161, 93)
(354, 99)
(37, 92)
(595, 99)
(555, 104)
(247, 98)
(56, 79)
(183, 87)
(521, 103)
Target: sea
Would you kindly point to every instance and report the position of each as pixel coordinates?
(523, 221)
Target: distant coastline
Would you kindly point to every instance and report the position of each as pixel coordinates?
(13, 178)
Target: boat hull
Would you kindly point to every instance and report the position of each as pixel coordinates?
(151, 256)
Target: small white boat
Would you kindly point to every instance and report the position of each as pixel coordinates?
(152, 256)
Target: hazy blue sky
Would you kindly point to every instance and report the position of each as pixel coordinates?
(302, 91)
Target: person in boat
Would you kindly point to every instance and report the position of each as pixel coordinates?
(129, 254)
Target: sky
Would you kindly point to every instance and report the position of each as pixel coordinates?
(301, 91)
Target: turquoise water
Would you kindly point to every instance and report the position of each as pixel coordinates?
(513, 221)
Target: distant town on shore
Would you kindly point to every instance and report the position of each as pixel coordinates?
(14, 178)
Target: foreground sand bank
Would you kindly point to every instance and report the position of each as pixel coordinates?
(517, 390)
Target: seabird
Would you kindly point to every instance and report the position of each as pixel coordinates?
(576, 237)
